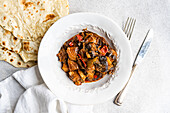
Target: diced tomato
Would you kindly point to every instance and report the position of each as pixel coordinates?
(95, 76)
(80, 38)
(71, 44)
(82, 60)
(104, 50)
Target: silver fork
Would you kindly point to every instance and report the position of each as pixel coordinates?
(128, 29)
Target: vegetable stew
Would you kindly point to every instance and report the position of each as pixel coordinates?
(87, 57)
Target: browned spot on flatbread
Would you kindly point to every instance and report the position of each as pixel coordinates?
(36, 11)
(26, 43)
(16, 27)
(35, 51)
(3, 43)
(20, 36)
(19, 63)
(23, 1)
(11, 60)
(33, 7)
(43, 1)
(16, 51)
(6, 32)
(31, 14)
(4, 49)
(38, 3)
(66, 5)
(4, 5)
(15, 38)
(12, 48)
(49, 17)
(42, 9)
(4, 17)
(26, 46)
(28, 4)
(9, 53)
(40, 14)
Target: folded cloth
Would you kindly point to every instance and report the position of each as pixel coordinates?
(37, 98)
(10, 90)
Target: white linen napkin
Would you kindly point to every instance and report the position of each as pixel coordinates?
(37, 98)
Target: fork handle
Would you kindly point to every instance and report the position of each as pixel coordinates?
(120, 96)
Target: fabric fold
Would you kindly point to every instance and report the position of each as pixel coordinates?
(37, 98)
(28, 78)
(10, 92)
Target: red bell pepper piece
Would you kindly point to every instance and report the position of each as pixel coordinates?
(95, 76)
(104, 50)
(82, 60)
(71, 44)
(80, 38)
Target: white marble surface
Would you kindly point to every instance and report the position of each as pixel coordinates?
(149, 90)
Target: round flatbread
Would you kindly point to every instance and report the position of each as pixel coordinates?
(14, 58)
(23, 23)
(30, 19)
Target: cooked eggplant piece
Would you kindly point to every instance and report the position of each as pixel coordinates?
(102, 59)
(65, 67)
(74, 76)
(109, 61)
(90, 75)
(72, 52)
(80, 63)
(83, 77)
(62, 55)
(72, 65)
(90, 72)
(93, 54)
(87, 57)
(93, 47)
(91, 62)
(98, 67)
(105, 67)
(91, 39)
(82, 53)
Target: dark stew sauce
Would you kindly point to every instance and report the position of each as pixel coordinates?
(87, 57)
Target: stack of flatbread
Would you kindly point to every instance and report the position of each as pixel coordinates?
(23, 23)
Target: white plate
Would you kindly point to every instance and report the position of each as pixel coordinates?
(56, 79)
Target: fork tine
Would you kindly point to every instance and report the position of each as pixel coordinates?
(127, 29)
(132, 29)
(126, 24)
